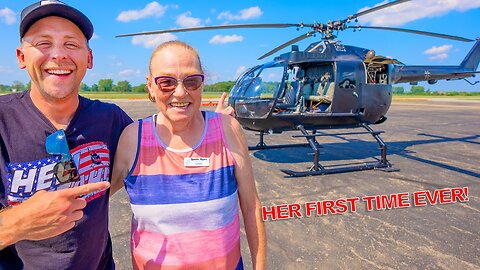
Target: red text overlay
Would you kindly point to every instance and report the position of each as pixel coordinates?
(371, 203)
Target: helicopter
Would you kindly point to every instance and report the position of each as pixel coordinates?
(328, 85)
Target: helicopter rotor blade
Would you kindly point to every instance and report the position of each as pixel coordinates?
(292, 41)
(213, 27)
(418, 32)
(365, 12)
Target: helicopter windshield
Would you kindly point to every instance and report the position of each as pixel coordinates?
(254, 93)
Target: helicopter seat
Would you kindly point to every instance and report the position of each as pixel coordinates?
(307, 90)
(291, 97)
(323, 93)
(327, 91)
(309, 93)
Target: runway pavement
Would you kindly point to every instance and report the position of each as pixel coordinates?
(436, 146)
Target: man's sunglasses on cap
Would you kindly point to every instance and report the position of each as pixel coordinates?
(65, 170)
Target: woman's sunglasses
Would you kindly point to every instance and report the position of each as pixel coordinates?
(168, 83)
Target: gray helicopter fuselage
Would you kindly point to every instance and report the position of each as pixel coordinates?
(323, 87)
(329, 85)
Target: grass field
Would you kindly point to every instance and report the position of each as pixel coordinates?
(208, 95)
(425, 97)
(116, 95)
(213, 95)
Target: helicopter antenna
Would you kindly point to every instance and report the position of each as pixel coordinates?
(469, 82)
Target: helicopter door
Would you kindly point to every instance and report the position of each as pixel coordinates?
(349, 78)
(255, 92)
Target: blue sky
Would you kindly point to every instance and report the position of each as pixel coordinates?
(226, 53)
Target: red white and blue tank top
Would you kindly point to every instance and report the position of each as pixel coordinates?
(184, 202)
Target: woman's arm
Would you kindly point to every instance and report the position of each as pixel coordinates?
(247, 192)
(124, 157)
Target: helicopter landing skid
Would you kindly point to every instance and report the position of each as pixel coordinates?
(317, 169)
(261, 145)
(324, 171)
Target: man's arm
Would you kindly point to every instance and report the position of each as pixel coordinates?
(45, 214)
(124, 157)
(247, 192)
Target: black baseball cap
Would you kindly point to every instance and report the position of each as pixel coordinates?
(47, 8)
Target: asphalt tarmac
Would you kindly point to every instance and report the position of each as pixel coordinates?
(435, 144)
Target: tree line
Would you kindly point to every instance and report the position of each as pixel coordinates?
(107, 85)
(420, 90)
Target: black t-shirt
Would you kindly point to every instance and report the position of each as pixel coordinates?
(26, 167)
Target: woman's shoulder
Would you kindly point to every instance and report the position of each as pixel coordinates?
(132, 130)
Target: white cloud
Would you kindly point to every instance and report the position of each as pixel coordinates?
(438, 50)
(439, 56)
(212, 78)
(129, 72)
(152, 41)
(244, 14)
(414, 10)
(438, 53)
(240, 70)
(8, 16)
(186, 20)
(153, 9)
(218, 39)
(95, 36)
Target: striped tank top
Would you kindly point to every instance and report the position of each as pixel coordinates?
(184, 217)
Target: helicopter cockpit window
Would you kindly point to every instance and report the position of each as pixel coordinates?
(289, 95)
(255, 87)
(255, 92)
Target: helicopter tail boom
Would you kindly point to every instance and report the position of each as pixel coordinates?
(411, 74)
(473, 57)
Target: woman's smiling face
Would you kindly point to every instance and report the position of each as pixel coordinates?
(177, 62)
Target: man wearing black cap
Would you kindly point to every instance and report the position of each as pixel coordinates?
(54, 202)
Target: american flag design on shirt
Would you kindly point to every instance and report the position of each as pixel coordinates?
(26, 178)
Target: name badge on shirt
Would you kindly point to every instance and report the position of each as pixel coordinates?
(196, 162)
